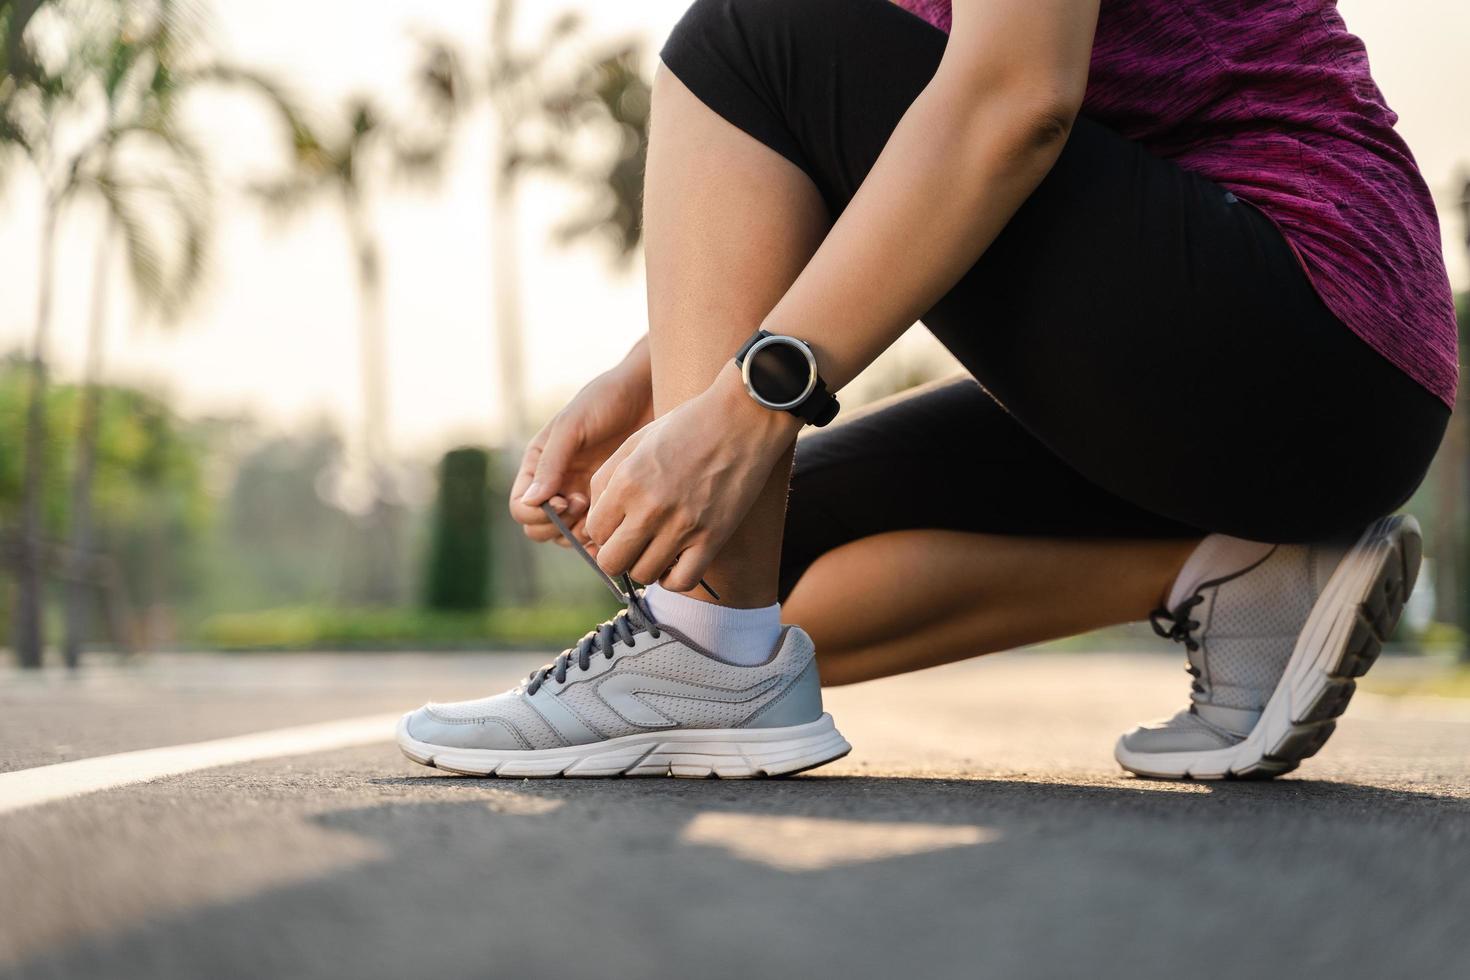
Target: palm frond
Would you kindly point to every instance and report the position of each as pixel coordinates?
(191, 219)
(610, 94)
(420, 162)
(612, 210)
(440, 76)
(145, 266)
(15, 17)
(306, 145)
(283, 196)
(13, 135)
(165, 227)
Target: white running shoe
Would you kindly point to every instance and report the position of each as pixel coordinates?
(635, 698)
(1274, 647)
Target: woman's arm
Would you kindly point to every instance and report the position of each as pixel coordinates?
(969, 150)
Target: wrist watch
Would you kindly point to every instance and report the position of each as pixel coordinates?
(780, 373)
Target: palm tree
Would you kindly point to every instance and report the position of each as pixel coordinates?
(124, 65)
(30, 94)
(339, 167)
(165, 193)
(542, 98)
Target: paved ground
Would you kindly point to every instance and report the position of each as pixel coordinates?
(979, 829)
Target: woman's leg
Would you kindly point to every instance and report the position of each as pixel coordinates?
(1006, 546)
(728, 225)
(935, 597)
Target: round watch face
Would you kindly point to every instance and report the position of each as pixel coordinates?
(780, 372)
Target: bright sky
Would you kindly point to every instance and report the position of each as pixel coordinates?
(275, 332)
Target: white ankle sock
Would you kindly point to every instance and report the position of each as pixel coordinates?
(1216, 556)
(742, 636)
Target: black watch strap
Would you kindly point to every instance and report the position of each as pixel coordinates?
(755, 338)
(818, 408)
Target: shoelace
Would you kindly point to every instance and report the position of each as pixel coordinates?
(603, 638)
(1181, 630)
(1181, 627)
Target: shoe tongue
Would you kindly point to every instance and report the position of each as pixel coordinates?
(1238, 721)
(1217, 556)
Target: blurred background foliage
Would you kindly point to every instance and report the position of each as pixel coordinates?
(127, 526)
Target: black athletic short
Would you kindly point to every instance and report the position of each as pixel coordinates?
(1165, 367)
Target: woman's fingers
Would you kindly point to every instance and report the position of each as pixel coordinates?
(535, 517)
(576, 507)
(625, 547)
(545, 477)
(661, 552)
(688, 569)
(542, 533)
(633, 529)
(521, 511)
(645, 541)
(563, 440)
(603, 513)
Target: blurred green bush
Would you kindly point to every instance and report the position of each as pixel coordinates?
(328, 628)
(458, 575)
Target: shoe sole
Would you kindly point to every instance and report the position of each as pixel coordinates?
(725, 753)
(1343, 635)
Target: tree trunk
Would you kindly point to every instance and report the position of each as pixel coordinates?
(30, 557)
(1445, 535)
(1461, 447)
(381, 582)
(80, 578)
(1461, 559)
(505, 278)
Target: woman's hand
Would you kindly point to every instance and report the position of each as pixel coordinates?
(666, 502)
(559, 463)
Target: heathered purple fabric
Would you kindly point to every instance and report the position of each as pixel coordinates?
(1273, 100)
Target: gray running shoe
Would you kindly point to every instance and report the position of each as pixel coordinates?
(636, 698)
(1274, 648)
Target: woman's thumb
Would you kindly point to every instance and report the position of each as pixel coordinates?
(550, 471)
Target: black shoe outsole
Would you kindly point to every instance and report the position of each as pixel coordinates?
(1377, 616)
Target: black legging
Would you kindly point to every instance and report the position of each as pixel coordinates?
(1165, 365)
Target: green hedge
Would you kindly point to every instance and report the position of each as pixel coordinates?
(326, 628)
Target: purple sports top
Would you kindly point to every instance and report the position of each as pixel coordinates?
(1273, 100)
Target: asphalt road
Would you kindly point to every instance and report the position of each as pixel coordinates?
(979, 829)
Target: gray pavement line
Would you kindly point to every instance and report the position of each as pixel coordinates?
(44, 784)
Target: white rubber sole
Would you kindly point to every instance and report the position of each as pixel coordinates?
(725, 753)
(1343, 635)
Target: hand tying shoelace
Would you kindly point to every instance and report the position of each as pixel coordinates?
(635, 618)
(656, 707)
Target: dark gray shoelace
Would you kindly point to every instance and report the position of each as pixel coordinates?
(1181, 630)
(635, 618)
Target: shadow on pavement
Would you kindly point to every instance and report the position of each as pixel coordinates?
(848, 877)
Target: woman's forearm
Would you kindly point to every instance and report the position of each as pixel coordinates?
(949, 179)
(969, 150)
(637, 364)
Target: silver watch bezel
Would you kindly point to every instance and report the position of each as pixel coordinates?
(811, 379)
